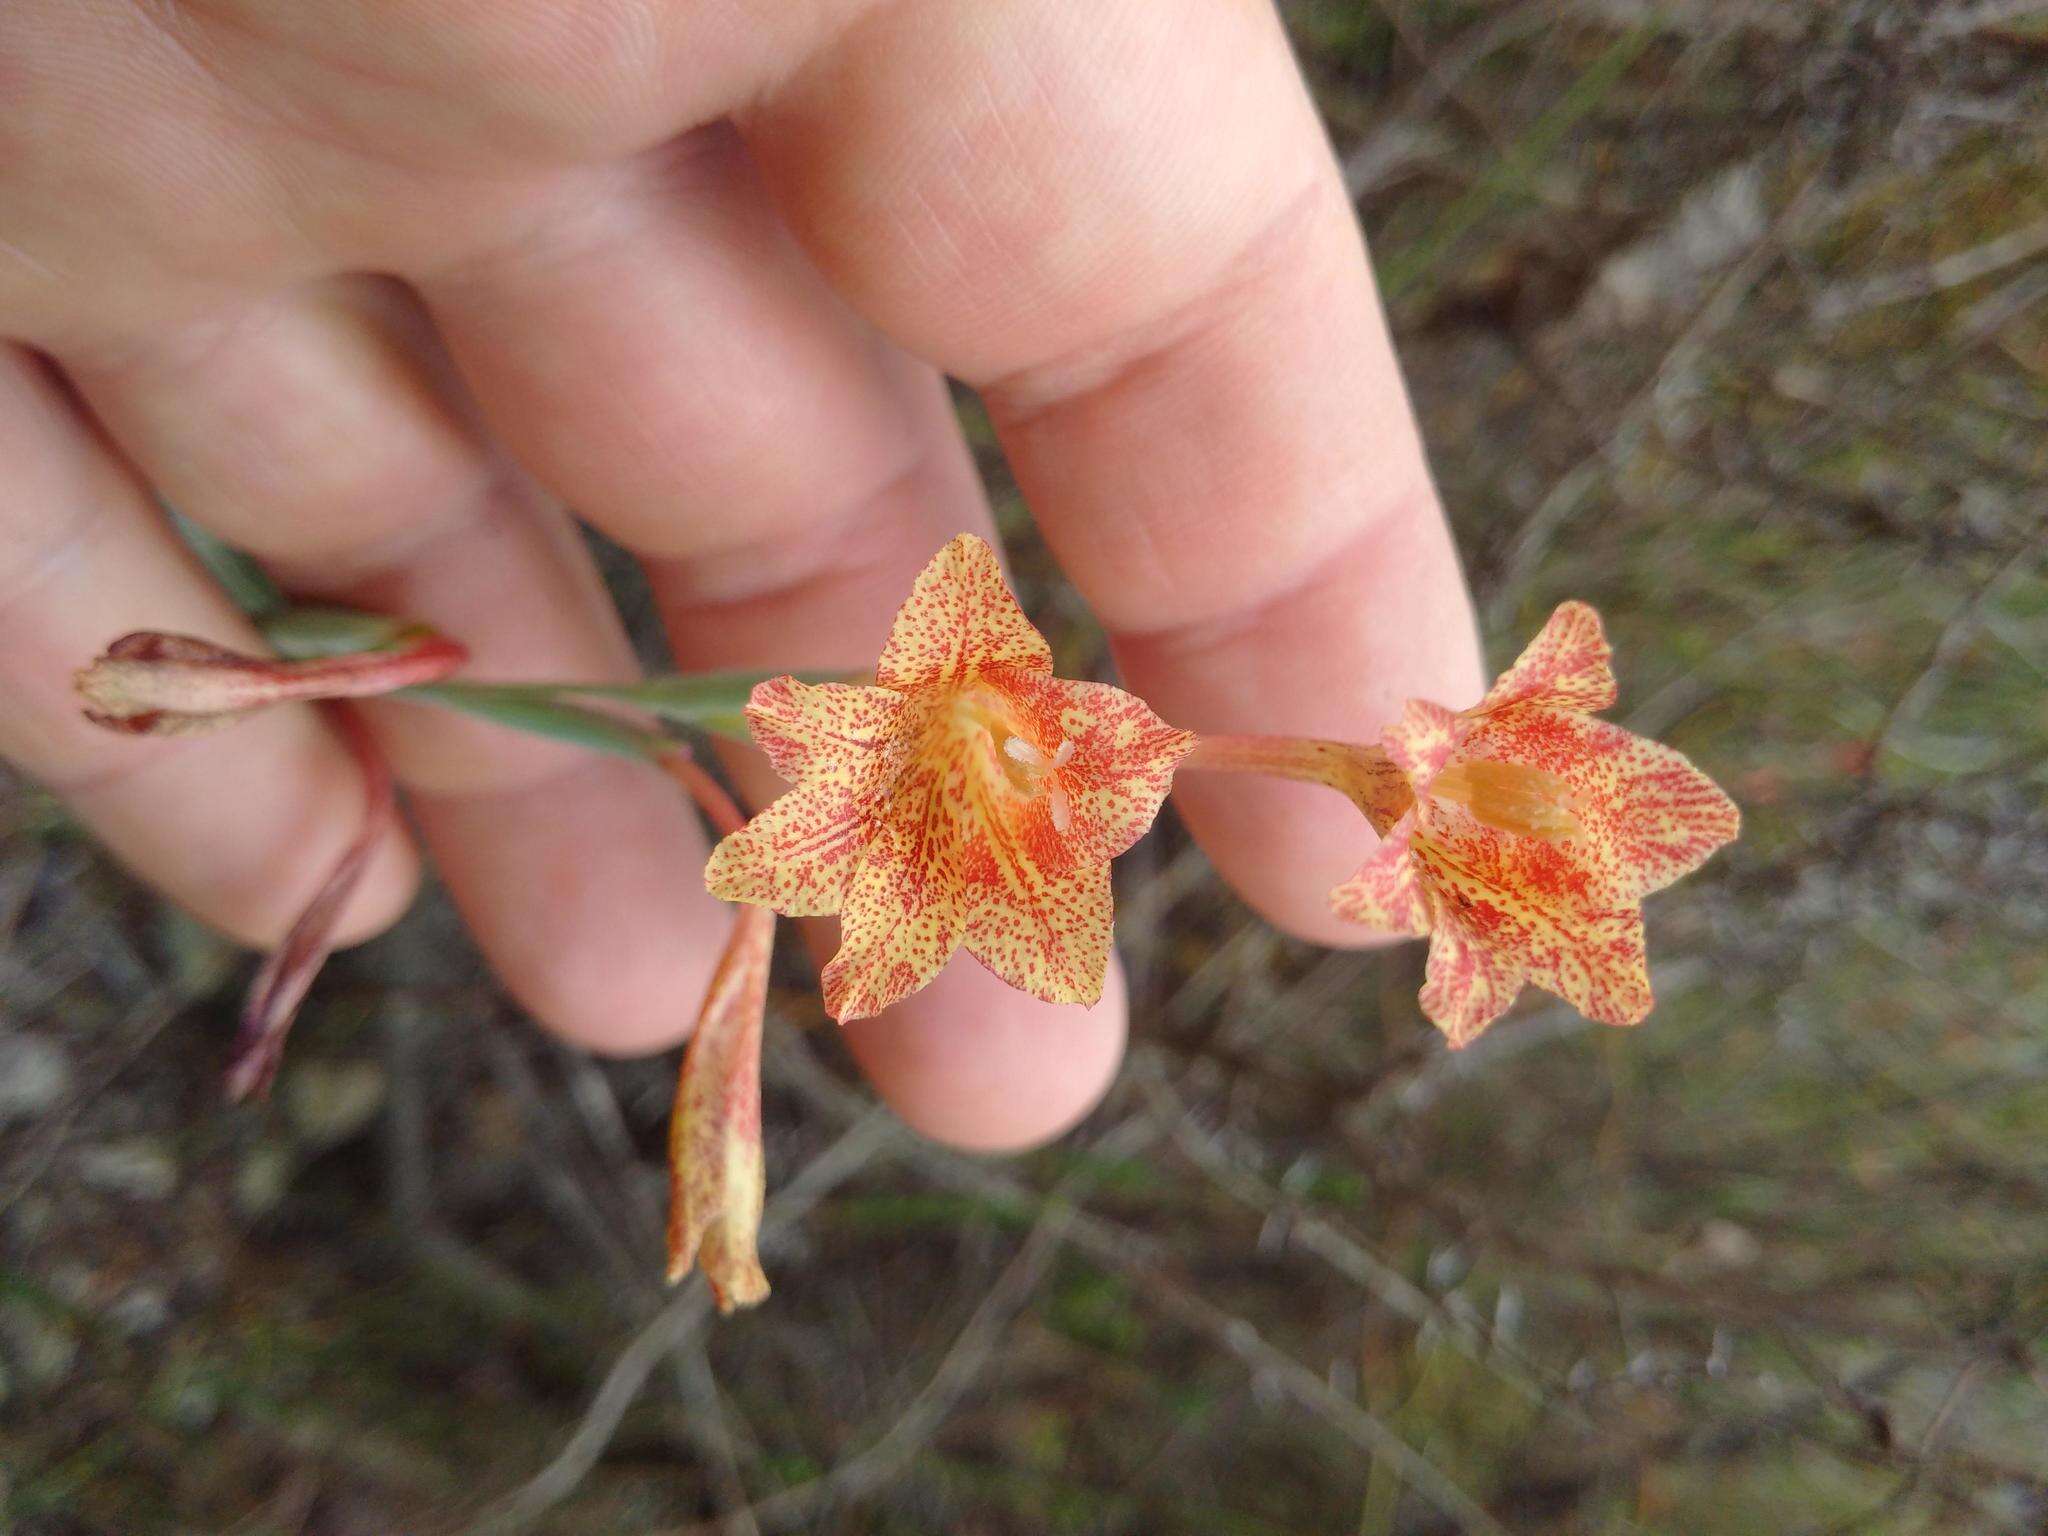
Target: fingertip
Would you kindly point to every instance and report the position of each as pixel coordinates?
(975, 1064)
(586, 893)
(1289, 846)
(1333, 932)
(243, 827)
(1381, 623)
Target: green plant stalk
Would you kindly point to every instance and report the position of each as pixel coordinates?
(711, 702)
(538, 713)
(246, 582)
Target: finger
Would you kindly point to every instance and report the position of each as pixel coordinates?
(313, 433)
(786, 475)
(242, 826)
(1122, 222)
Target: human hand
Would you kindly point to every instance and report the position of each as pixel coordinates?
(322, 275)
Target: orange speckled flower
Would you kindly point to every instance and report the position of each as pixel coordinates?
(969, 797)
(1535, 832)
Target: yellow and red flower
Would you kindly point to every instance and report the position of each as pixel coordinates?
(968, 798)
(1534, 833)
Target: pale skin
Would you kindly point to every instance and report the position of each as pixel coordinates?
(376, 288)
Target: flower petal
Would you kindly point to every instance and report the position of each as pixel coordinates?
(1603, 972)
(717, 1182)
(829, 732)
(1467, 984)
(1422, 740)
(898, 928)
(1039, 890)
(1116, 776)
(1387, 894)
(960, 619)
(1649, 816)
(1530, 906)
(842, 745)
(1055, 944)
(799, 855)
(1564, 667)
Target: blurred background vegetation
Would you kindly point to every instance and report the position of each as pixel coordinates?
(1728, 315)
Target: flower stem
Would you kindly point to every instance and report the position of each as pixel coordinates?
(713, 702)
(1364, 775)
(718, 807)
(540, 712)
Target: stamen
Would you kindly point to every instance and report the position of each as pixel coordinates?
(1061, 808)
(1017, 749)
(1510, 797)
(1040, 771)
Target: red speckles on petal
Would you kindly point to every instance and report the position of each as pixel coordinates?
(1387, 893)
(798, 856)
(1598, 966)
(1120, 758)
(1649, 816)
(1537, 830)
(840, 745)
(960, 618)
(1041, 917)
(1564, 667)
(1048, 937)
(895, 939)
(813, 732)
(1537, 911)
(1422, 741)
(1468, 983)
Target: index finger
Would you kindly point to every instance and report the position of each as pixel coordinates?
(1123, 223)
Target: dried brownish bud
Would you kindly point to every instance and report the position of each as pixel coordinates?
(717, 1180)
(150, 684)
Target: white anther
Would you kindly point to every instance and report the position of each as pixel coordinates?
(1059, 758)
(1019, 750)
(1062, 811)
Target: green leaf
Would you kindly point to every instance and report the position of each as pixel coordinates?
(247, 583)
(710, 701)
(539, 713)
(303, 634)
(714, 702)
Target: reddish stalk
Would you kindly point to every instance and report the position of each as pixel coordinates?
(718, 807)
(280, 986)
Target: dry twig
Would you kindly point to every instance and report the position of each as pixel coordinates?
(1134, 1256)
(672, 1327)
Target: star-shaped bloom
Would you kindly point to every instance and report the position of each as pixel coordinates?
(1535, 832)
(968, 797)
